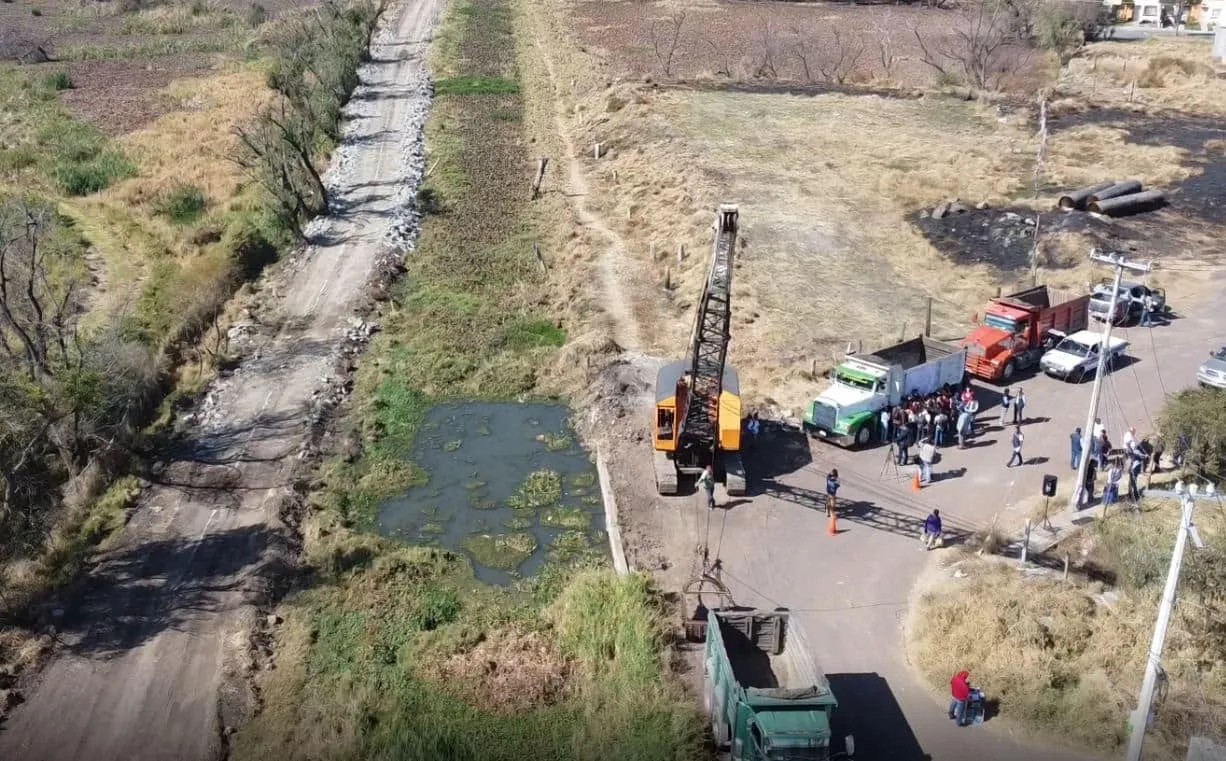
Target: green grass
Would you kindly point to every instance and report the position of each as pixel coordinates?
(80, 159)
(74, 156)
(357, 674)
(476, 85)
(533, 333)
(182, 204)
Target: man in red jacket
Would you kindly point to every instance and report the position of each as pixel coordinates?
(960, 689)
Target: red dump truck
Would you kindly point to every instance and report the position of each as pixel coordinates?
(1017, 329)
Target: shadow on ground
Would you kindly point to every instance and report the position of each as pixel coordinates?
(136, 593)
(869, 711)
(864, 513)
(777, 451)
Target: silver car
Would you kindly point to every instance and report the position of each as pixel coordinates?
(1213, 372)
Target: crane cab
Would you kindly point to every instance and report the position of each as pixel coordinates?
(678, 453)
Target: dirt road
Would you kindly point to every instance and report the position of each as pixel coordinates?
(151, 664)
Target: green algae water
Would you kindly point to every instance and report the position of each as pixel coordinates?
(508, 485)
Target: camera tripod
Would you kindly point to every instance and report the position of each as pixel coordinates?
(891, 461)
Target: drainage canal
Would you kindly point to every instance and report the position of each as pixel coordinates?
(508, 485)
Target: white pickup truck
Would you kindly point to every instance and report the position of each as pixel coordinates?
(1075, 358)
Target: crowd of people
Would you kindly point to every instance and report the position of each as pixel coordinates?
(919, 425)
(1136, 457)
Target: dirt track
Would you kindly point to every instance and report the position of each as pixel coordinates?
(153, 654)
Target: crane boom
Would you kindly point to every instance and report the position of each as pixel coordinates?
(709, 342)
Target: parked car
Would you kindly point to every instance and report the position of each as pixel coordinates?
(1076, 357)
(1212, 374)
(1129, 304)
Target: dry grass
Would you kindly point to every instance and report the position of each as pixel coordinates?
(825, 184)
(510, 672)
(188, 145)
(192, 144)
(1150, 76)
(179, 19)
(1065, 659)
(1090, 153)
(827, 253)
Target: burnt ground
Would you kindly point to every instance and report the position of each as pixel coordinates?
(1003, 237)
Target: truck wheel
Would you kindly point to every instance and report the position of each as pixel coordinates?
(862, 435)
(1009, 371)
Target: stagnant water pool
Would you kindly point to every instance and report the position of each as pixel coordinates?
(509, 485)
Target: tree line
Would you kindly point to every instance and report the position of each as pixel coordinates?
(984, 41)
(314, 73)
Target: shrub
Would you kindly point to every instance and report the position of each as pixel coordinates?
(58, 81)
(429, 201)
(250, 249)
(80, 178)
(1198, 415)
(182, 204)
(255, 15)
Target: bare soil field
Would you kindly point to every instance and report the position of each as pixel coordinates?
(120, 55)
(722, 40)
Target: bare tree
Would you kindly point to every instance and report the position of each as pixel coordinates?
(763, 62)
(63, 393)
(841, 56)
(665, 36)
(887, 53)
(803, 47)
(721, 54)
(277, 150)
(982, 48)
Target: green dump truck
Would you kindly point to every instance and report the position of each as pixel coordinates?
(766, 698)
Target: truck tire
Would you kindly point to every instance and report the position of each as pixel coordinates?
(1009, 371)
(862, 435)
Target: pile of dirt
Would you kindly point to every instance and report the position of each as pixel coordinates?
(510, 672)
(620, 390)
(1004, 237)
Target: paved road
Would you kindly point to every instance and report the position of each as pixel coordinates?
(143, 676)
(850, 591)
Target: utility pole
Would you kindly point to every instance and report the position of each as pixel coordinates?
(1087, 433)
(1139, 719)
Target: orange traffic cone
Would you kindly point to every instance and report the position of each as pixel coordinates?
(833, 528)
(915, 482)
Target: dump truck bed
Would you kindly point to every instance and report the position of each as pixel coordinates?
(768, 660)
(913, 353)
